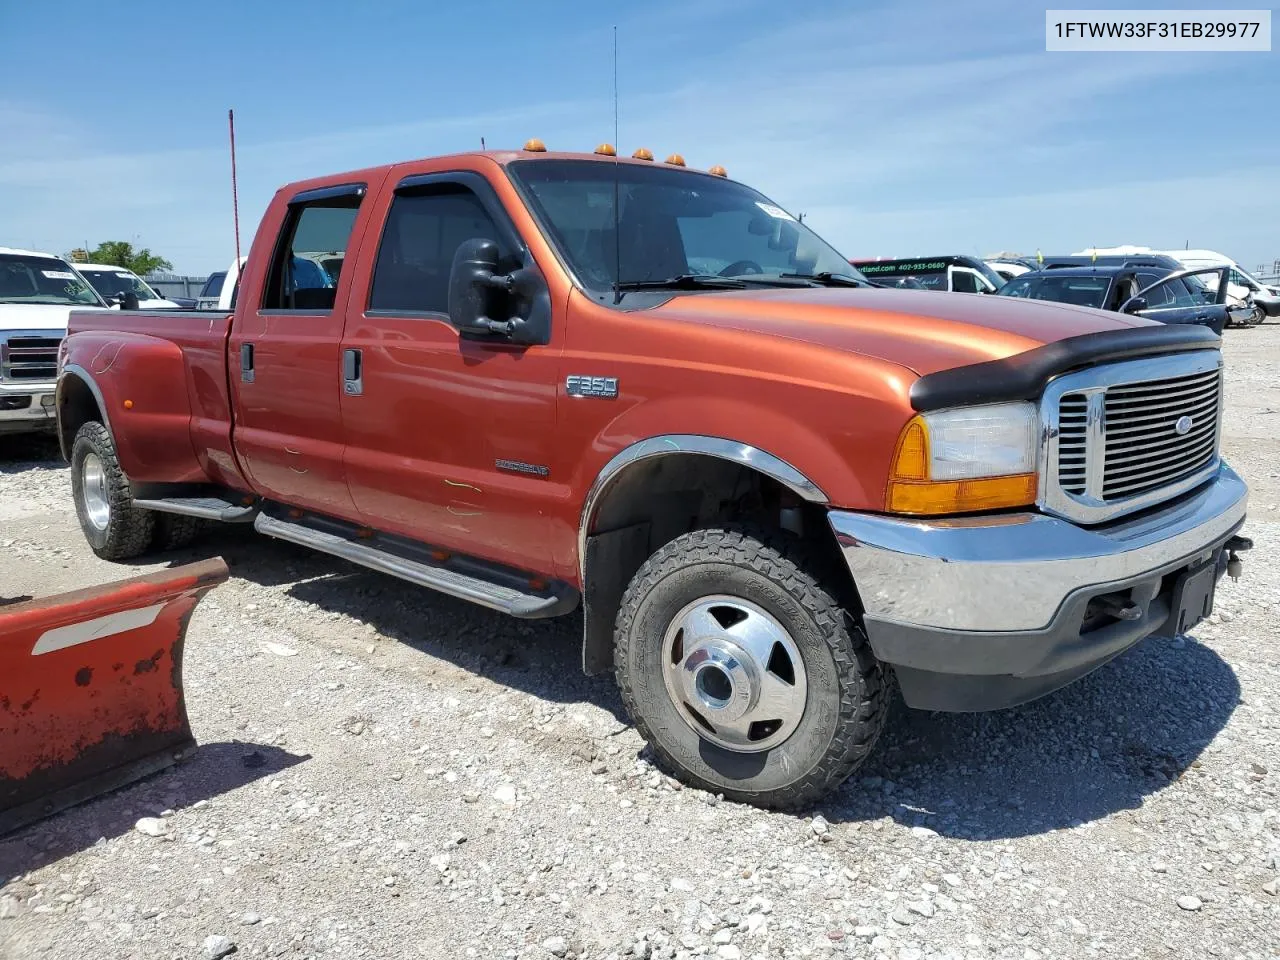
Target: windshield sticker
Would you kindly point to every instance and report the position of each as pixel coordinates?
(776, 212)
(58, 274)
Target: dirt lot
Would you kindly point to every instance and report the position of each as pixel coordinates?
(442, 782)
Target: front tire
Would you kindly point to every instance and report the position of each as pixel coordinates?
(743, 672)
(115, 529)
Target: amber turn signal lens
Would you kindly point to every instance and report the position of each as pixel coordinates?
(911, 490)
(962, 496)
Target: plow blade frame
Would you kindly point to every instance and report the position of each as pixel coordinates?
(91, 692)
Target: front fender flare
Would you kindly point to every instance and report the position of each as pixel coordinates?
(719, 447)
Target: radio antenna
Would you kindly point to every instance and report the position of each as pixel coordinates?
(617, 176)
(235, 200)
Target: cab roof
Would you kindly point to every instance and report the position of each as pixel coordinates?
(16, 252)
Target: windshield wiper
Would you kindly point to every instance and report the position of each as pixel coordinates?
(828, 279)
(685, 281)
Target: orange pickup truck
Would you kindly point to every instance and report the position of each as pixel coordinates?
(541, 380)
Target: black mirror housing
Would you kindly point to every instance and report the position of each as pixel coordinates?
(479, 295)
(1135, 305)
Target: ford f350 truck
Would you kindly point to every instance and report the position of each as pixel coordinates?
(551, 380)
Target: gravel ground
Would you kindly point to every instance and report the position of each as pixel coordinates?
(388, 773)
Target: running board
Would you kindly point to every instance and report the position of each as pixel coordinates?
(208, 508)
(473, 585)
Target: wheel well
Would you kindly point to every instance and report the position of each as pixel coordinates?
(77, 406)
(657, 499)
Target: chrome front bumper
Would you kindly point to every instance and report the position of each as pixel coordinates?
(1009, 595)
(27, 406)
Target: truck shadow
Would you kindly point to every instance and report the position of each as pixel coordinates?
(20, 453)
(1107, 743)
(215, 769)
(1104, 744)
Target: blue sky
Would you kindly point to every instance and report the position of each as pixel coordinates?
(898, 128)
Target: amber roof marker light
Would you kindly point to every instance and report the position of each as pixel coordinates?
(676, 160)
(606, 150)
(718, 171)
(642, 153)
(534, 145)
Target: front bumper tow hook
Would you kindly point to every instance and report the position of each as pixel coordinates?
(1234, 546)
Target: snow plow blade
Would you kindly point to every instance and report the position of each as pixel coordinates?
(91, 689)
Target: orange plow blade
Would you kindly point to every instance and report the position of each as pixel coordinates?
(91, 689)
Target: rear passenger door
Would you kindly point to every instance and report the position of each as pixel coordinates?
(448, 439)
(284, 358)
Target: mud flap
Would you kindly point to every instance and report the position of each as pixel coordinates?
(91, 689)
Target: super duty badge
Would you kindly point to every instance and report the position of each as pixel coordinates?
(578, 385)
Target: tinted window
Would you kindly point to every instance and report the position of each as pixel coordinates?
(1016, 288)
(213, 285)
(1082, 291)
(315, 232)
(1172, 293)
(962, 281)
(423, 232)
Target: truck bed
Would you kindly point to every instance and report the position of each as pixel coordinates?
(178, 402)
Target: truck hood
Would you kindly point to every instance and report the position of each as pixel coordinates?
(921, 330)
(37, 316)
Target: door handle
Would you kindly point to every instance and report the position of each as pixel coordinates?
(246, 362)
(352, 372)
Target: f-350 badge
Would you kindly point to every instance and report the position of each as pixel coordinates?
(579, 385)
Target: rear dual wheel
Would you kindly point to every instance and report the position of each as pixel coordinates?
(744, 672)
(114, 527)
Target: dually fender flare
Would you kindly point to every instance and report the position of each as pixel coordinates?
(75, 370)
(721, 448)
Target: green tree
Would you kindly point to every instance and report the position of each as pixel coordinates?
(120, 253)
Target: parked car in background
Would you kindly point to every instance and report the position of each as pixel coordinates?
(219, 292)
(208, 298)
(113, 282)
(1150, 292)
(1010, 267)
(957, 273)
(37, 291)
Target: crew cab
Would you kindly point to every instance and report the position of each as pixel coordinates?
(37, 292)
(544, 381)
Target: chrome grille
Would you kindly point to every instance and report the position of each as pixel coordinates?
(1112, 440)
(1144, 450)
(29, 357)
(1073, 413)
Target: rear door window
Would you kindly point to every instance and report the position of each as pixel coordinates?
(315, 233)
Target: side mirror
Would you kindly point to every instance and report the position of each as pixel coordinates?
(478, 293)
(128, 300)
(1134, 305)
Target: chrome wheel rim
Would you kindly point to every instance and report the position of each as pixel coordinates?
(734, 674)
(93, 488)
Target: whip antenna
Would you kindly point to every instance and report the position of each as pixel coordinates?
(235, 200)
(617, 175)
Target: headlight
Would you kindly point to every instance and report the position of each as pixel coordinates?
(966, 459)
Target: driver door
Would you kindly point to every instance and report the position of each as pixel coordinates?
(1170, 301)
(448, 440)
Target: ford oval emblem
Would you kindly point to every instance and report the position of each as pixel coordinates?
(1183, 426)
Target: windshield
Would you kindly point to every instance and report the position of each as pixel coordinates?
(42, 280)
(112, 283)
(671, 222)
